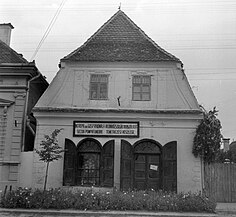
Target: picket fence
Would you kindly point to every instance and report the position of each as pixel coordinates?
(220, 181)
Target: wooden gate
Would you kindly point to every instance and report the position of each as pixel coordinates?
(220, 181)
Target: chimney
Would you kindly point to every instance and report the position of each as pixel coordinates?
(5, 32)
(226, 144)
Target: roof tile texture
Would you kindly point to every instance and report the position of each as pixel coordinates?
(8, 55)
(119, 39)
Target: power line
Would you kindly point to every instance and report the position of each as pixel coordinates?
(49, 28)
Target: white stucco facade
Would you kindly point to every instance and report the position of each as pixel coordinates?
(127, 112)
(172, 114)
(169, 87)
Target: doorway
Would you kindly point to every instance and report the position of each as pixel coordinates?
(147, 171)
(148, 165)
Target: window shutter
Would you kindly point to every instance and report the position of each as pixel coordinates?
(107, 162)
(127, 166)
(69, 163)
(170, 167)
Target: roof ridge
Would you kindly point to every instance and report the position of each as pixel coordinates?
(13, 51)
(133, 25)
(93, 35)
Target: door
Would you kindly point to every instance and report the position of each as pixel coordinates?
(147, 171)
(127, 166)
(107, 161)
(170, 166)
(69, 163)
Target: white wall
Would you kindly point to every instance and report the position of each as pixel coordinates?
(162, 128)
(169, 87)
(26, 169)
(170, 91)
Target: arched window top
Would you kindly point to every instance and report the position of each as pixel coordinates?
(89, 145)
(69, 145)
(147, 147)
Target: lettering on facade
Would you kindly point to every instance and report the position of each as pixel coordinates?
(104, 129)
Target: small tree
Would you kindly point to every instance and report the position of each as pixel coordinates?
(208, 137)
(50, 151)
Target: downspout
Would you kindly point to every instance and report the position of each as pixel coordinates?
(26, 107)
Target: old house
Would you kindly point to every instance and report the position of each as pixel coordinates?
(21, 85)
(128, 115)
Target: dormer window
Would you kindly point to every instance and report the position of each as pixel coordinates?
(141, 88)
(99, 87)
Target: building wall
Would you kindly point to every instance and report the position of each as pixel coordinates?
(169, 87)
(170, 93)
(13, 88)
(12, 136)
(161, 128)
(25, 169)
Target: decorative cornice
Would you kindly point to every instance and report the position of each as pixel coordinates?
(4, 102)
(89, 110)
(19, 94)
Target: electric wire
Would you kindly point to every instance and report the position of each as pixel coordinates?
(48, 29)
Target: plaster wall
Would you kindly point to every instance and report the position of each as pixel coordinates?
(25, 169)
(169, 87)
(13, 99)
(162, 128)
(11, 137)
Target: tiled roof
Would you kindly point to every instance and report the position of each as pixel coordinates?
(120, 39)
(8, 55)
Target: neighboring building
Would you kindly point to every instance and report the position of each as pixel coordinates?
(232, 146)
(21, 85)
(128, 115)
(225, 143)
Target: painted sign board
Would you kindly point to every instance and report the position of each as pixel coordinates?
(153, 167)
(106, 129)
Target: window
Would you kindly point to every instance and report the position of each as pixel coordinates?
(88, 168)
(98, 87)
(89, 164)
(141, 88)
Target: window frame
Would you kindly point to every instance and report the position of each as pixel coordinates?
(141, 85)
(102, 173)
(98, 88)
(82, 171)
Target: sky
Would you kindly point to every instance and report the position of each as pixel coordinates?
(201, 33)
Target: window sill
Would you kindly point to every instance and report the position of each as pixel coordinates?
(99, 99)
(141, 100)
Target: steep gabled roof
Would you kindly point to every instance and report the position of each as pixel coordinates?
(120, 39)
(8, 55)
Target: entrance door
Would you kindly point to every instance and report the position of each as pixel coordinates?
(147, 171)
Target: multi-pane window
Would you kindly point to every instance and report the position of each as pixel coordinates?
(98, 86)
(88, 169)
(141, 88)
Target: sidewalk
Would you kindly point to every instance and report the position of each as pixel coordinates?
(229, 208)
(66, 213)
(222, 209)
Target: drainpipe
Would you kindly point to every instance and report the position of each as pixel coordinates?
(26, 105)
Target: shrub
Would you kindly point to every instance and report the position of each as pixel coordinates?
(208, 137)
(116, 200)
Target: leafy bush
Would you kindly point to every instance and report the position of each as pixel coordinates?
(116, 200)
(208, 137)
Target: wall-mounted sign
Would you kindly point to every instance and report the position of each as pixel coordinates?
(105, 129)
(153, 167)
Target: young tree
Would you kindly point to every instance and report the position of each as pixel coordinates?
(50, 151)
(208, 137)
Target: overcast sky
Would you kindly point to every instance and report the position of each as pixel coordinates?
(202, 33)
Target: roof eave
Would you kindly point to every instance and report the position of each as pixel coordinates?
(91, 110)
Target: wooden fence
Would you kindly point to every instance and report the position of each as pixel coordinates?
(220, 181)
